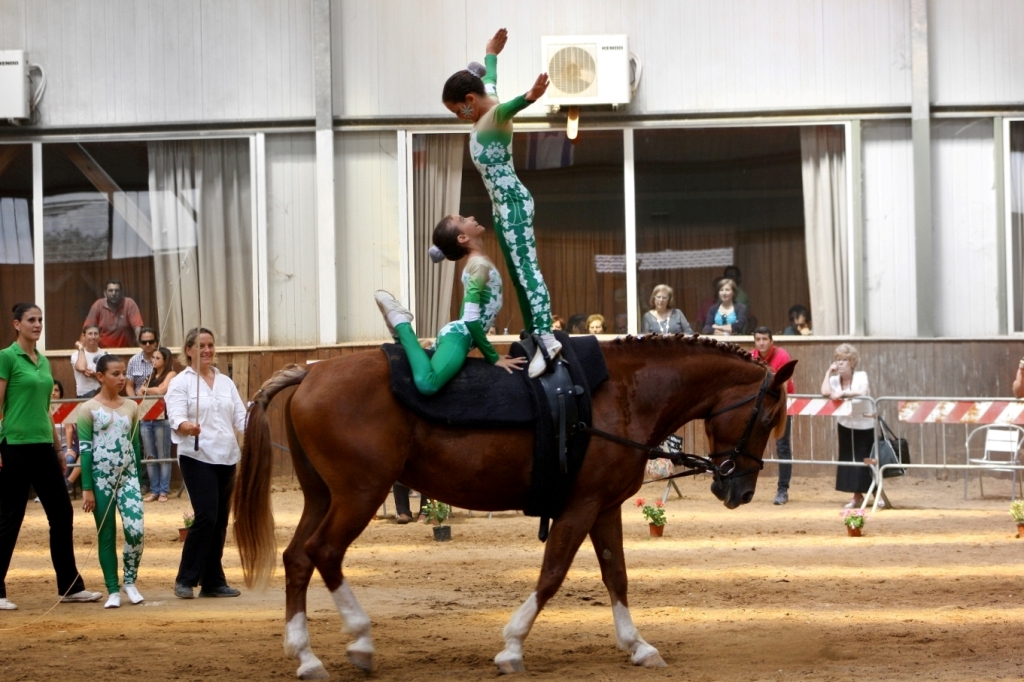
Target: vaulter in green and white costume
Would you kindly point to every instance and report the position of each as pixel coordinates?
(109, 443)
(490, 146)
(480, 306)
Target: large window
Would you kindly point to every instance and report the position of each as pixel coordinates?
(579, 224)
(707, 199)
(16, 230)
(170, 220)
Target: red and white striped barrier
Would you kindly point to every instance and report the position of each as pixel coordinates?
(961, 412)
(152, 408)
(819, 407)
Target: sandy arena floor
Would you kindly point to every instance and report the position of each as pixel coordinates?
(933, 591)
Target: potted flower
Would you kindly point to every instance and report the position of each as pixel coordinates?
(437, 513)
(188, 518)
(655, 515)
(1017, 512)
(854, 520)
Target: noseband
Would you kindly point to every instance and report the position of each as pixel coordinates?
(696, 463)
(727, 469)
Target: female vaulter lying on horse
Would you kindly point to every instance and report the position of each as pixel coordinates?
(350, 440)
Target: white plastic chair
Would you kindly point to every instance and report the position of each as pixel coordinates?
(1002, 447)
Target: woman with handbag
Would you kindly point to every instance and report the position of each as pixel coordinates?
(856, 431)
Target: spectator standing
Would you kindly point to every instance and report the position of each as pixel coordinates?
(156, 430)
(709, 302)
(799, 322)
(662, 318)
(775, 357)
(1018, 383)
(28, 457)
(857, 431)
(140, 366)
(729, 316)
(732, 272)
(403, 512)
(117, 317)
(205, 403)
(83, 361)
(595, 324)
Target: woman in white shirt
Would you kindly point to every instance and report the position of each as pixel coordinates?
(205, 405)
(857, 431)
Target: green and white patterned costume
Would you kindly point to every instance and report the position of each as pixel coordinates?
(490, 146)
(480, 306)
(109, 442)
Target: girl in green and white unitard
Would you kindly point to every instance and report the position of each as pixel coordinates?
(455, 237)
(472, 95)
(108, 431)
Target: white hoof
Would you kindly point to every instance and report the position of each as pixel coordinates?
(649, 658)
(361, 659)
(509, 664)
(314, 670)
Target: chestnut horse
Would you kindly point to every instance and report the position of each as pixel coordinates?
(350, 440)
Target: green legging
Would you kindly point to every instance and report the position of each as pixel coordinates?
(431, 373)
(129, 506)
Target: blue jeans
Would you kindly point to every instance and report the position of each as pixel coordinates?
(156, 444)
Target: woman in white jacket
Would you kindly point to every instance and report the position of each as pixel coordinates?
(205, 411)
(857, 431)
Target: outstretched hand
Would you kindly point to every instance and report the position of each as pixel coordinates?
(540, 86)
(509, 363)
(496, 44)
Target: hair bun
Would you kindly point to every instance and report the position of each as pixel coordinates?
(477, 69)
(435, 254)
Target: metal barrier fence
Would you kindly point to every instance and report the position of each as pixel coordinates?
(152, 407)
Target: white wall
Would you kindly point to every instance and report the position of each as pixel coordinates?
(392, 58)
(291, 239)
(134, 61)
(366, 210)
(888, 213)
(964, 224)
(976, 51)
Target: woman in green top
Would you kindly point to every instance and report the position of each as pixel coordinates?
(108, 432)
(455, 237)
(29, 456)
(472, 95)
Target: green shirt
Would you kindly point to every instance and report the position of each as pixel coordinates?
(26, 408)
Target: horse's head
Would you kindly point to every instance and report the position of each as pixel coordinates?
(738, 430)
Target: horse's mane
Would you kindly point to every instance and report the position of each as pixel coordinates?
(682, 340)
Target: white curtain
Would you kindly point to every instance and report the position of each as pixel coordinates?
(202, 238)
(822, 150)
(437, 192)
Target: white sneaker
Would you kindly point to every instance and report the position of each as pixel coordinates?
(81, 597)
(538, 365)
(113, 601)
(394, 312)
(133, 593)
(7, 605)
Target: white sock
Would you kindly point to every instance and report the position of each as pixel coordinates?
(396, 318)
(113, 601)
(550, 343)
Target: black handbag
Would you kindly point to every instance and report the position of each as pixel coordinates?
(892, 450)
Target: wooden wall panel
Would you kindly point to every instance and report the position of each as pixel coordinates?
(291, 239)
(965, 231)
(889, 260)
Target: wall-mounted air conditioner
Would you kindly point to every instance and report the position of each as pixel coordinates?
(586, 70)
(14, 85)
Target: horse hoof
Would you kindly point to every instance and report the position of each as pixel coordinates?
(317, 672)
(361, 659)
(510, 667)
(653, 660)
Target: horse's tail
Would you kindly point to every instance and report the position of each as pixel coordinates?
(254, 516)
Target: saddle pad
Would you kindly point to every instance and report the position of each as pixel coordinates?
(482, 395)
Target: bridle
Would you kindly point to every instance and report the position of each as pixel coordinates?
(697, 464)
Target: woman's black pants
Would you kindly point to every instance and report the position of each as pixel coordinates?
(209, 488)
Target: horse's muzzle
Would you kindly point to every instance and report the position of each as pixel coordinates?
(732, 492)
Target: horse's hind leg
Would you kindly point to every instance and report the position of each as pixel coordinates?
(567, 534)
(298, 566)
(607, 538)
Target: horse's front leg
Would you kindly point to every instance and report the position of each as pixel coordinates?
(567, 534)
(607, 538)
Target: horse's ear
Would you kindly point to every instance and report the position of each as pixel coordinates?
(784, 374)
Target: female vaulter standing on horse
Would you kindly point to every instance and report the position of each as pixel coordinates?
(472, 95)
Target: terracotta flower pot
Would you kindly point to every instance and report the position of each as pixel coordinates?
(182, 534)
(853, 532)
(1020, 530)
(657, 531)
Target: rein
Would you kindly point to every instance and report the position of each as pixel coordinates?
(696, 463)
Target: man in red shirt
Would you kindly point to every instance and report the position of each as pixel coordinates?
(765, 350)
(117, 317)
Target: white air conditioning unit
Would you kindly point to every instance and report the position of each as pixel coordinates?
(14, 85)
(586, 69)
